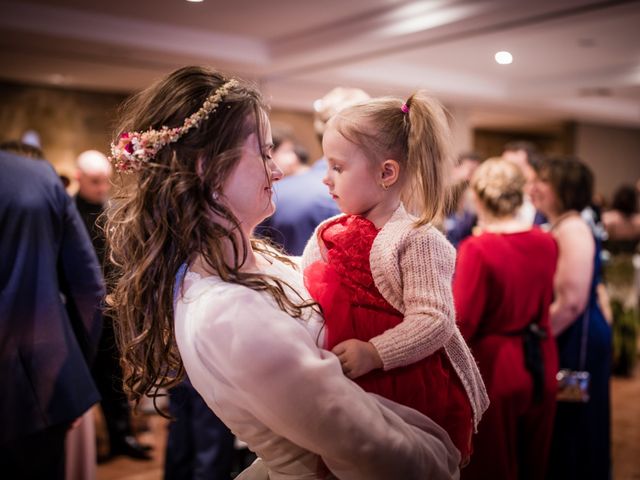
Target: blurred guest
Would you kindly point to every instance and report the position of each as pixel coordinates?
(49, 319)
(29, 150)
(622, 221)
(503, 288)
(303, 201)
(464, 169)
(526, 156)
(461, 218)
(622, 224)
(581, 438)
(94, 185)
(199, 445)
(66, 181)
(31, 137)
(23, 149)
(80, 446)
(303, 156)
(285, 153)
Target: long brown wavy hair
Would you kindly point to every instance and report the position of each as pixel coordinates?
(166, 217)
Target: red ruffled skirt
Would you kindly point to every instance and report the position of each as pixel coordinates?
(354, 308)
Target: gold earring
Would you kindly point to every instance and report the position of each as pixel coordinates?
(384, 186)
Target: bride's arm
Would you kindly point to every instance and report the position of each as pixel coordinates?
(300, 393)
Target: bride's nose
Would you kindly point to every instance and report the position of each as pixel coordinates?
(276, 173)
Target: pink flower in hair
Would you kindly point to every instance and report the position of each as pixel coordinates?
(134, 149)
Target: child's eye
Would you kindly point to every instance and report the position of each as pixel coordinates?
(336, 169)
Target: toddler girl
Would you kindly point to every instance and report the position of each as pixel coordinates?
(382, 276)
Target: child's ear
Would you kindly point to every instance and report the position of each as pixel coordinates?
(390, 171)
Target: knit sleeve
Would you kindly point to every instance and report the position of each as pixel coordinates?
(427, 261)
(470, 288)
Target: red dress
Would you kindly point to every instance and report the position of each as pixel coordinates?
(504, 282)
(354, 308)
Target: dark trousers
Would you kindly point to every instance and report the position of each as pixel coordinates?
(199, 445)
(39, 456)
(107, 374)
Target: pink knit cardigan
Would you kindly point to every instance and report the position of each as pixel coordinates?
(413, 269)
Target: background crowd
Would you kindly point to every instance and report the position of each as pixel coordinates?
(546, 279)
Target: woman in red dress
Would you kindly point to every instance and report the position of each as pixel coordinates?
(503, 287)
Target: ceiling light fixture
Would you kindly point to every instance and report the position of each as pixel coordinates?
(195, 1)
(503, 58)
(421, 16)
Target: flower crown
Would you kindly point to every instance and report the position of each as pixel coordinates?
(134, 149)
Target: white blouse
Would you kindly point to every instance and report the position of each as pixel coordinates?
(261, 372)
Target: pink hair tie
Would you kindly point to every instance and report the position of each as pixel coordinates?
(404, 108)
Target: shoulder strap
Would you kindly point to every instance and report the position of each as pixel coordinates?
(182, 271)
(585, 334)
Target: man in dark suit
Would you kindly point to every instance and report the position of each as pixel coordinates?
(94, 185)
(50, 296)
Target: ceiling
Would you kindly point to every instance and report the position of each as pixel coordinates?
(573, 59)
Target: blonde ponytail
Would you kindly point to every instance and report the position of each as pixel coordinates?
(415, 134)
(428, 158)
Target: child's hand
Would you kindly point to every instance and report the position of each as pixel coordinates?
(357, 357)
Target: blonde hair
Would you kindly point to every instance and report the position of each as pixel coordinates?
(418, 139)
(499, 184)
(334, 101)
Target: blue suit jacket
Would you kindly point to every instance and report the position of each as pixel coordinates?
(50, 293)
(302, 203)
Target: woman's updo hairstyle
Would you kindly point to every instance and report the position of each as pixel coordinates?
(499, 184)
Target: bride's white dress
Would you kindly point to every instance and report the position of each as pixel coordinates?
(261, 372)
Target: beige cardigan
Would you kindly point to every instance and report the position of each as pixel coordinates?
(413, 269)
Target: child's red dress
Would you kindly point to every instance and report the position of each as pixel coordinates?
(354, 308)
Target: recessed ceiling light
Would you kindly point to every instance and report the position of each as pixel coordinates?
(504, 58)
(195, 1)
